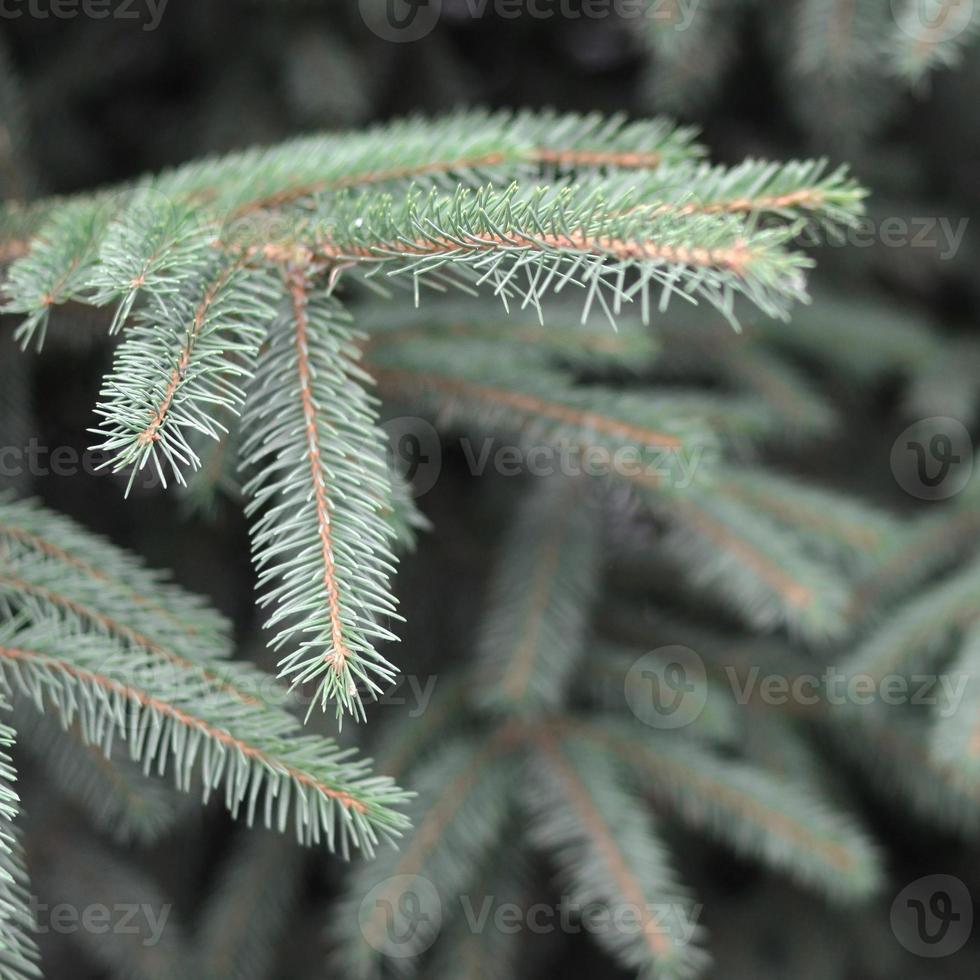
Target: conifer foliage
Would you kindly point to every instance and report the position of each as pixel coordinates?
(578, 283)
(226, 283)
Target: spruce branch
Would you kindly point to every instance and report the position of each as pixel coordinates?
(894, 752)
(916, 636)
(788, 191)
(391, 902)
(180, 363)
(115, 794)
(609, 852)
(151, 249)
(533, 633)
(525, 243)
(250, 910)
(257, 755)
(152, 672)
(320, 493)
(468, 148)
(477, 387)
(58, 265)
(931, 546)
(829, 524)
(18, 952)
(44, 575)
(780, 823)
(762, 573)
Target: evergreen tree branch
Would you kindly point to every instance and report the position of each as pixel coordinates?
(478, 387)
(534, 631)
(916, 636)
(18, 952)
(179, 364)
(782, 824)
(250, 909)
(608, 853)
(463, 802)
(121, 600)
(320, 541)
(118, 798)
(255, 753)
(761, 572)
(588, 235)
